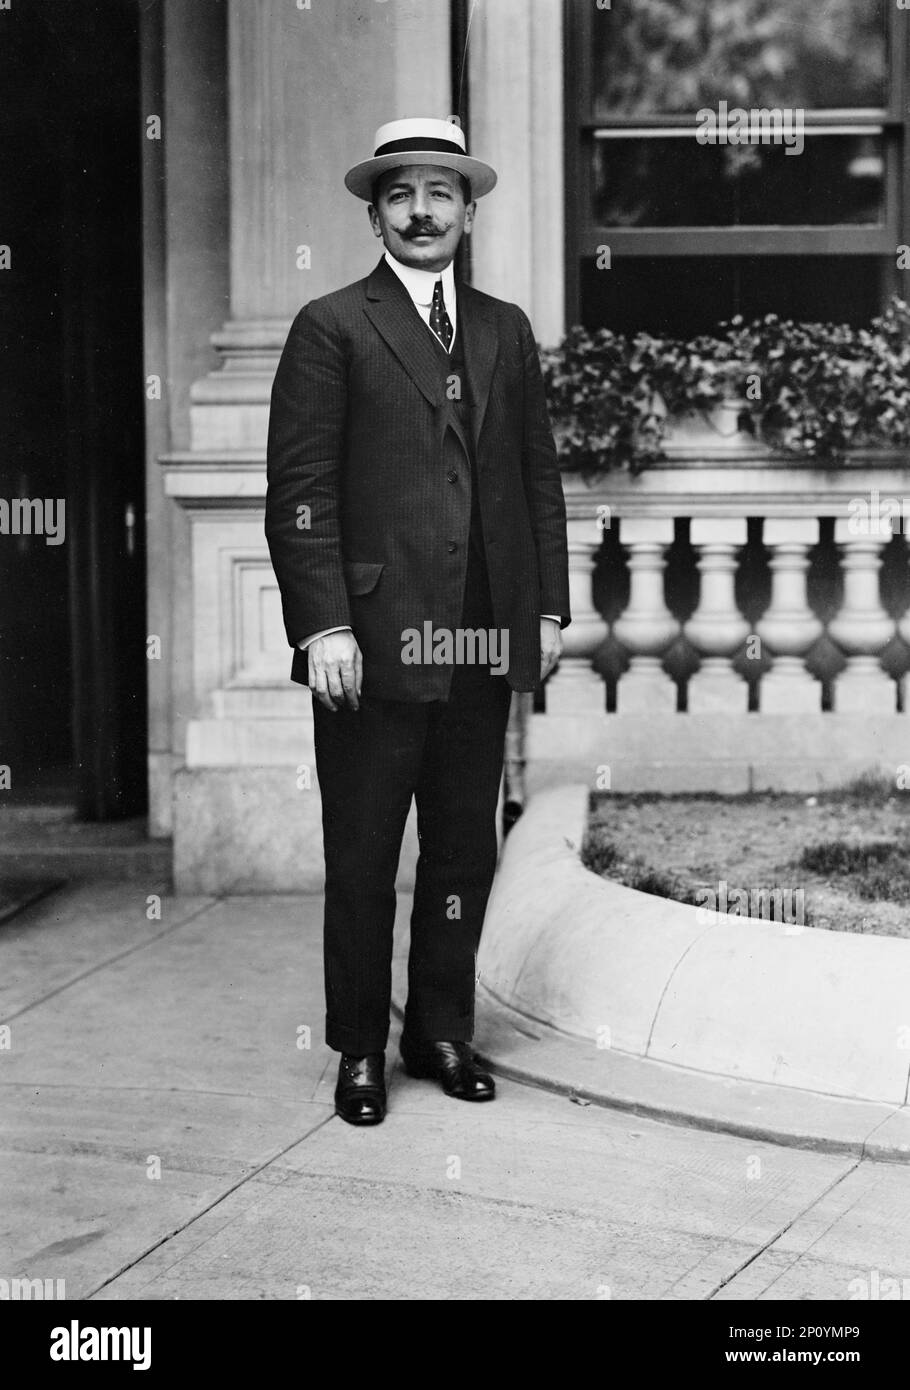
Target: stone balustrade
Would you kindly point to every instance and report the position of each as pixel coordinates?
(786, 672)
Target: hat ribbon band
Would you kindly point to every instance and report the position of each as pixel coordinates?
(422, 142)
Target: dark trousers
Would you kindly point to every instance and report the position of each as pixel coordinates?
(370, 763)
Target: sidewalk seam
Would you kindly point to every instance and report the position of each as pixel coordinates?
(111, 960)
(784, 1229)
(805, 1251)
(228, 1192)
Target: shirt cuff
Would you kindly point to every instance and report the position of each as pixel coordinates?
(555, 616)
(305, 642)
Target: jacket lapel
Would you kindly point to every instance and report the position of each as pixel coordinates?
(389, 309)
(481, 348)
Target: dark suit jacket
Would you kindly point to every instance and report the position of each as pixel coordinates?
(359, 433)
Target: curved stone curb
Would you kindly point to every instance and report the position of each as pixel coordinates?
(728, 997)
(536, 1055)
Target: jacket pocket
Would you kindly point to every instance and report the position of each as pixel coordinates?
(361, 576)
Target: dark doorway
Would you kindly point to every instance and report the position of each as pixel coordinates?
(72, 607)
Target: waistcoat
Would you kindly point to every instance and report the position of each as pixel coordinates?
(478, 607)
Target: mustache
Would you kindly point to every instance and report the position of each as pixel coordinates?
(421, 229)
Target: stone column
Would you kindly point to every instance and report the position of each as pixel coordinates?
(309, 85)
(789, 627)
(296, 232)
(862, 628)
(717, 627)
(647, 627)
(517, 121)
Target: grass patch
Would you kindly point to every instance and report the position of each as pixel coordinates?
(599, 855)
(603, 857)
(839, 857)
(869, 787)
(648, 880)
(842, 856)
(879, 869)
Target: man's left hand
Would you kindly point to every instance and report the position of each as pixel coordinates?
(550, 645)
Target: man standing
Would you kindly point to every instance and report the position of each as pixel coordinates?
(416, 525)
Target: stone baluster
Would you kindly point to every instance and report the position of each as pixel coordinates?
(717, 628)
(862, 627)
(646, 627)
(789, 627)
(576, 688)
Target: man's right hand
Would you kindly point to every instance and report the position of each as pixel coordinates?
(336, 670)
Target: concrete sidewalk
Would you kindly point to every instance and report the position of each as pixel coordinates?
(167, 1133)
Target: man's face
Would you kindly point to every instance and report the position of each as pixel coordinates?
(421, 214)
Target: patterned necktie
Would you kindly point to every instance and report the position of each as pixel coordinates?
(440, 322)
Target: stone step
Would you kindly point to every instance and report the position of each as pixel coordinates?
(47, 842)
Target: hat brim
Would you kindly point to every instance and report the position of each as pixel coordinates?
(362, 177)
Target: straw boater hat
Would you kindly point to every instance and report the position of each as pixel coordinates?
(419, 141)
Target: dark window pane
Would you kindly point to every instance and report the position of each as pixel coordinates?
(676, 182)
(674, 56)
(683, 296)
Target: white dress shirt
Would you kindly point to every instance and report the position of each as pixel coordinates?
(420, 285)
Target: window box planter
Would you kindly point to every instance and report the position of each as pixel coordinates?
(812, 395)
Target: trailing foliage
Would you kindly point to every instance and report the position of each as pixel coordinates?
(813, 391)
(676, 55)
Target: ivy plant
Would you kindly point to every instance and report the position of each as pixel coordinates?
(812, 391)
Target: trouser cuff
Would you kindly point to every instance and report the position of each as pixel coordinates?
(342, 1038)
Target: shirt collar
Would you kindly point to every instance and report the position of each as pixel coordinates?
(419, 283)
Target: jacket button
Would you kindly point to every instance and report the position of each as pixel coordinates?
(452, 476)
(453, 546)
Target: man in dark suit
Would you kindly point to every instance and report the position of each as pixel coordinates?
(416, 525)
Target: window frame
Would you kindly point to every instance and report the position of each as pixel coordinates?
(585, 236)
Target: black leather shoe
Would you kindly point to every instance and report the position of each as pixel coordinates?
(360, 1094)
(451, 1063)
